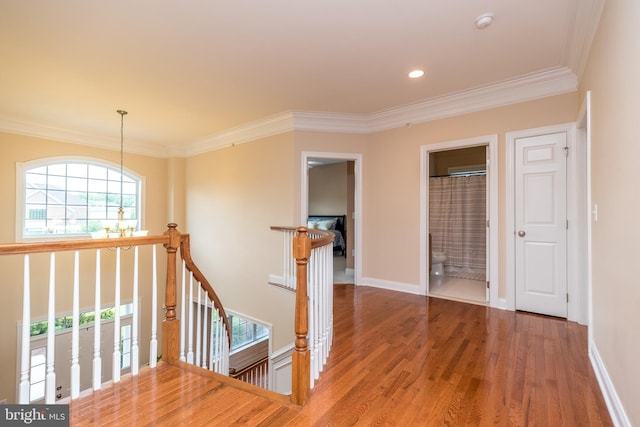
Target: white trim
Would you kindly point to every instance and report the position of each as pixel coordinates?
(524, 88)
(91, 139)
(572, 287)
(586, 16)
(583, 158)
(304, 199)
(408, 288)
(616, 409)
(492, 186)
(280, 370)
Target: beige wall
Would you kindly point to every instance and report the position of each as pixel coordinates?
(16, 148)
(328, 189)
(613, 77)
(392, 181)
(234, 195)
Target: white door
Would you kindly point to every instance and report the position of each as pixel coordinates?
(541, 224)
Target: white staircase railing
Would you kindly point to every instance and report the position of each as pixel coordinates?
(319, 293)
(116, 272)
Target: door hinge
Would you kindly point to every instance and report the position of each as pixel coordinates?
(566, 151)
(567, 297)
(487, 223)
(567, 224)
(488, 284)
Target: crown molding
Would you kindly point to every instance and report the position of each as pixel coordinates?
(525, 88)
(583, 29)
(521, 89)
(269, 126)
(53, 133)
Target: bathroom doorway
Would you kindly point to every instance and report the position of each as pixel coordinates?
(457, 223)
(460, 201)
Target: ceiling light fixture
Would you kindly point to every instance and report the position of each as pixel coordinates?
(123, 227)
(416, 74)
(484, 20)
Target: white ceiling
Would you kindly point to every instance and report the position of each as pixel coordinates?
(194, 73)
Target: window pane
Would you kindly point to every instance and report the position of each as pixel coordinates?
(114, 187)
(75, 198)
(97, 172)
(37, 391)
(130, 188)
(35, 180)
(97, 186)
(56, 182)
(59, 169)
(76, 184)
(113, 175)
(56, 197)
(77, 170)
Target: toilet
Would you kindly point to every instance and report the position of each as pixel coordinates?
(437, 263)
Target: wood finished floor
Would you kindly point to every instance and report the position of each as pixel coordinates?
(397, 360)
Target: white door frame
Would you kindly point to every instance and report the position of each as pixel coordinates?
(583, 141)
(304, 199)
(492, 187)
(576, 291)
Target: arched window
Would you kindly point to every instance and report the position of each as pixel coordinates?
(73, 197)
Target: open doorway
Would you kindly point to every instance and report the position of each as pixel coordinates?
(330, 204)
(457, 224)
(331, 200)
(474, 158)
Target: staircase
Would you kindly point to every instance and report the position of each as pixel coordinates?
(194, 335)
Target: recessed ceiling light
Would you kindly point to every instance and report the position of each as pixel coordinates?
(416, 74)
(483, 21)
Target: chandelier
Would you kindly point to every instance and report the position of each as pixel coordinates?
(123, 227)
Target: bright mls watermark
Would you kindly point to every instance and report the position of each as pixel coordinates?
(34, 415)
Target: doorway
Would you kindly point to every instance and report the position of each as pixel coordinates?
(457, 224)
(469, 271)
(577, 226)
(331, 190)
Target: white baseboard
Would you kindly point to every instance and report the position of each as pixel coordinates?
(392, 286)
(502, 304)
(616, 410)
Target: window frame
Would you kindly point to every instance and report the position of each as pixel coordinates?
(23, 167)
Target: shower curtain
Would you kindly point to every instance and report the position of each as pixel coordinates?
(457, 221)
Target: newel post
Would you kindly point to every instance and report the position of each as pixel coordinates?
(301, 359)
(170, 324)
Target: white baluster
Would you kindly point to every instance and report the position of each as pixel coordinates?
(25, 362)
(116, 324)
(198, 326)
(212, 340)
(75, 330)
(190, 330)
(182, 313)
(153, 345)
(135, 356)
(97, 360)
(50, 395)
(204, 331)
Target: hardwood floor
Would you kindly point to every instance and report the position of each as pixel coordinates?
(404, 360)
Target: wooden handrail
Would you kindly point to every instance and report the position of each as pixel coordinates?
(185, 253)
(74, 245)
(235, 374)
(327, 238)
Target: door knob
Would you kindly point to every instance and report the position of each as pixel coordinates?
(521, 233)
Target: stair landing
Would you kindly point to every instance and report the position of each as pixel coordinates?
(179, 394)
